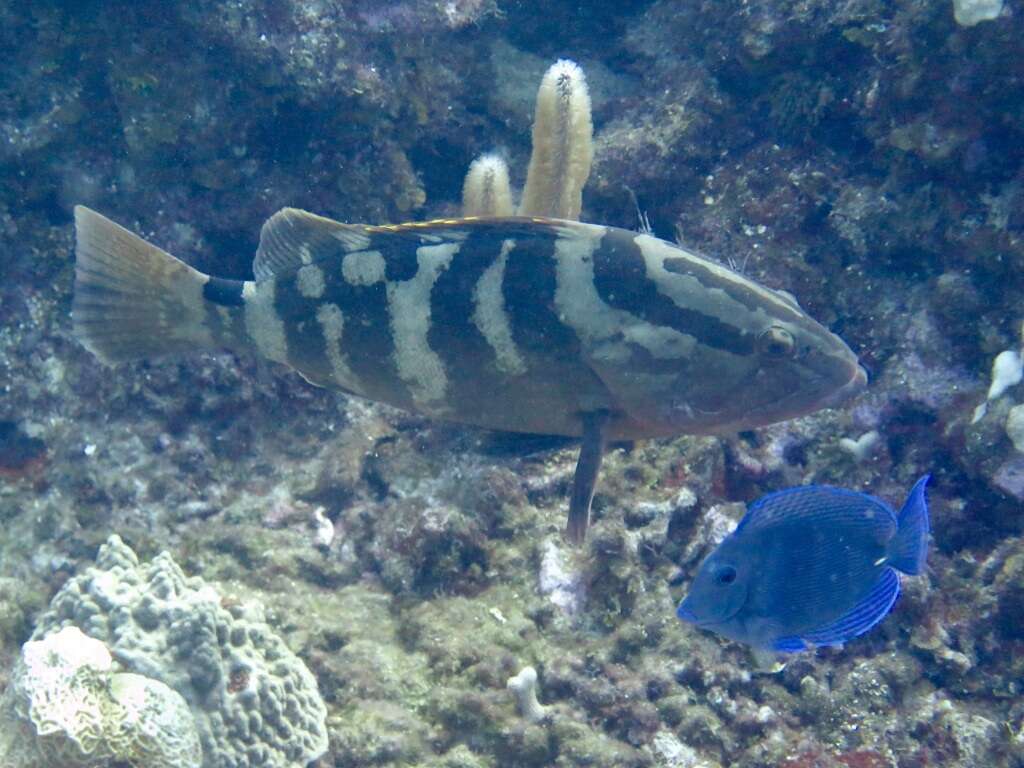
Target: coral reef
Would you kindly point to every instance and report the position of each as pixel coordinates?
(254, 702)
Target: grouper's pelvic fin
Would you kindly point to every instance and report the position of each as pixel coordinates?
(595, 440)
(132, 299)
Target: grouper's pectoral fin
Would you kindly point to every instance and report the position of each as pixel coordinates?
(595, 438)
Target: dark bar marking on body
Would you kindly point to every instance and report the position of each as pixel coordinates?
(528, 292)
(307, 345)
(399, 251)
(620, 275)
(366, 341)
(454, 334)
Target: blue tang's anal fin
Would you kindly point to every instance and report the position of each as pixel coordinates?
(862, 617)
(789, 644)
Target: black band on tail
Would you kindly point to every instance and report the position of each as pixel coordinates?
(227, 293)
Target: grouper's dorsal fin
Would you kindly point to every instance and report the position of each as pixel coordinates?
(291, 238)
(450, 230)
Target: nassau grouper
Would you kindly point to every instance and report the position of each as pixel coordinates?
(521, 324)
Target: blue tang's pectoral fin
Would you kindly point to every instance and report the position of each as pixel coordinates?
(862, 617)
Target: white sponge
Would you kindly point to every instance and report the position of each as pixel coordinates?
(970, 12)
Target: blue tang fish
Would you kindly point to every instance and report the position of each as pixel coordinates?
(809, 566)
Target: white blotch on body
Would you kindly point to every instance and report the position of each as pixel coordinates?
(491, 318)
(265, 328)
(363, 267)
(332, 323)
(310, 281)
(409, 307)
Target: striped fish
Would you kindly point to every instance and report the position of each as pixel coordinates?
(520, 324)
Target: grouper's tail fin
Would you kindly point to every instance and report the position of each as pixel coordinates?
(132, 299)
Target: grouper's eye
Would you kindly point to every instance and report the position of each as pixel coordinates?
(776, 343)
(725, 575)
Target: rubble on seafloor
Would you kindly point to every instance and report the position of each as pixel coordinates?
(862, 155)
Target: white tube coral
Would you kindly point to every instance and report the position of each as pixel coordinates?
(562, 145)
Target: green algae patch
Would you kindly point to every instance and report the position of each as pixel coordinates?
(18, 603)
(488, 634)
(378, 733)
(354, 639)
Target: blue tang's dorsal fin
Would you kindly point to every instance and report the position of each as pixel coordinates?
(817, 504)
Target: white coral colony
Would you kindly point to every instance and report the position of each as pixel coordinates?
(253, 702)
(971, 12)
(67, 707)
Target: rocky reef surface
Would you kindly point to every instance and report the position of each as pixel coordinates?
(866, 156)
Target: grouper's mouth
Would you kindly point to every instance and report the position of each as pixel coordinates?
(858, 380)
(795, 405)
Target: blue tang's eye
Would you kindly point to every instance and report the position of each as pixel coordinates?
(725, 575)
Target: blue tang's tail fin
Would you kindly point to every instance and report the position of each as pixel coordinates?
(909, 546)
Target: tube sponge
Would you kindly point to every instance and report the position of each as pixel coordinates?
(970, 12)
(562, 145)
(486, 191)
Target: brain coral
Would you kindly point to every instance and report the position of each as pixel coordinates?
(67, 707)
(254, 702)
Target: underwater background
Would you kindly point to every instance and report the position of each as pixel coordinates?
(380, 582)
